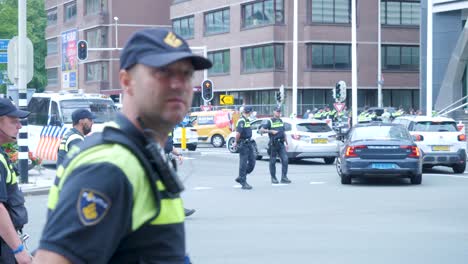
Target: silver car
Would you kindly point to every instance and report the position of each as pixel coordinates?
(306, 139)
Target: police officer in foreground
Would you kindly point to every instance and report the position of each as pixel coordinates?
(172, 155)
(278, 145)
(246, 148)
(117, 197)
(82, 123)
(13, 214)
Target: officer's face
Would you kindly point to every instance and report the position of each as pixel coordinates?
(162, 95)
(9, 127)
(87, 125)
(277, 114)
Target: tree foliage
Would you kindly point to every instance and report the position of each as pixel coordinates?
(36, 24)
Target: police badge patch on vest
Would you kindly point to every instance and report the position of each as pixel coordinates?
(92, 206)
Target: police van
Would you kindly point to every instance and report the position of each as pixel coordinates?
(50, 119)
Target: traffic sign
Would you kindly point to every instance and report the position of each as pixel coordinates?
(14, 60)
(339, 106)
(4, 44)
(225, 99)
(3, 58)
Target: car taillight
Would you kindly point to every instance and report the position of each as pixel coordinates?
(414, 151)
(296, 137)
(351, 151)
(462, 137)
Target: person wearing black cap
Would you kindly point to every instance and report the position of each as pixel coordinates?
(275, 129)
(246, 148)
(13, 214)
(82, 123)
(118, 197)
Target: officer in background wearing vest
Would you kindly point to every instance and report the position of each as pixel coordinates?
(13, 214)
(82, 123)
(275, 129)
(117, 199)
(246, 148)
(172, 155)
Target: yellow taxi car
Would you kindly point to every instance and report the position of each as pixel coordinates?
(214, 126)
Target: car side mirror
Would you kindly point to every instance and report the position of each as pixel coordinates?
(54, 121)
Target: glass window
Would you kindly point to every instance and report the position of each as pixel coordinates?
(221, 62)
(329, 56)
(52, 17)
(97, 71)
(97, 38)
(400, 57)
(95, 6)
(329, 11)
(400, 12)
(260, 58)
(431, 126)
(266, 12)
(70, 11)
(313, 127)
(184, 26)
(52, 47)
(217, 21)
(39, 108)
(52, 76)
(103, 109)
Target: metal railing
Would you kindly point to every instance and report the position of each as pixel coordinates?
(447, 110)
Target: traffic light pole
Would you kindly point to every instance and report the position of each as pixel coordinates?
(23, 150)
(205, 72)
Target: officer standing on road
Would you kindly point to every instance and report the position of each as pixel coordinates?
(275, 129)
(13, 214)
(246, 148)
(117, 198)
(172, 155)
(82, 123)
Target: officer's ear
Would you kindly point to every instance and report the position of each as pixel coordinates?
(126, 81)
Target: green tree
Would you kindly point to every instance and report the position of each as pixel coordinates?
(36, 24)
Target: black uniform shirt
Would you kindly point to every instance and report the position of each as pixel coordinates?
(243, 127)
(277, 125)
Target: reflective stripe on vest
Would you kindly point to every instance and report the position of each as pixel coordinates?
(66, 140)
(144, 207)
(11, 177)
(246, 122)
(277, 123)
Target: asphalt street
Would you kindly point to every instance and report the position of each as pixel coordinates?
(315, 219)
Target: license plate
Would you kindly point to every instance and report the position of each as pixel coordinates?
(319, 140)
(440, 148)
(383, 166)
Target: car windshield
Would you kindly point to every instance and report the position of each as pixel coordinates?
(431, 126)
(314, 128)
(104, 110)
(380, 133)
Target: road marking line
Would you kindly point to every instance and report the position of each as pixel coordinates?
(314, 183)
(238, 186)
(279, 184)
(453, 176)
(202, 188)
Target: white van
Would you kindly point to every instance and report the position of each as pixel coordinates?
(50, 118)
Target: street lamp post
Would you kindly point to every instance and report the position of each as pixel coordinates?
(116, 19)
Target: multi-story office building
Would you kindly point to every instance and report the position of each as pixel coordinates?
(251, 45)
(449, 53)
(105, 25)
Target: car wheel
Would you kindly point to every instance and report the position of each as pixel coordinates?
(459, 168)
(192, 147)
(416, 179)
(329, 160)
(345, 179)
(217, 141)
(231, 147)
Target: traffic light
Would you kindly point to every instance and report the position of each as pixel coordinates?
(207, 90)
(278, 97)
(82, 50)
(338, 91)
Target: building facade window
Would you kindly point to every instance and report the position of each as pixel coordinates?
(52, 47)
(221, 62)
(217, 22)
(396, 57)
(69, 11)
(263, 58)
(260, 13)
(393, 12)
(184, 26)
(52, 17)
(97, 38)
(95, 6)
(329, 11)
(52, 76)
(329, 56)
(97, 71)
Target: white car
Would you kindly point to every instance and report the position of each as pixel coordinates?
(439, 139)
(306, 139)
(191, 137)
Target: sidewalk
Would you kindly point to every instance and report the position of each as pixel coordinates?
(39, 181)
